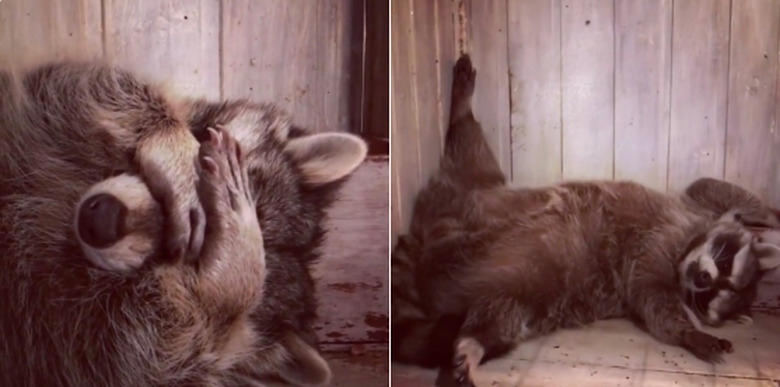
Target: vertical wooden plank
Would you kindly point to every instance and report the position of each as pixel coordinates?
(750, 139)
(36, 30)
(176, 42)
(425, 87)
(642, 84)
(405, 148)
(587, 81)
(700, 57)
(487, 28)
(535, 97)
(376, 94)
(447, 54)
(774, 198)
(306, 41)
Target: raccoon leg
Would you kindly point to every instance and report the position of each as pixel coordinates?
(657, 303)
(232, 266)
(467, 156)
(492, 328)
(723, 198)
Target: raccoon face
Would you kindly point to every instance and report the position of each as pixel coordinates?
(721, 268)
(118, 224)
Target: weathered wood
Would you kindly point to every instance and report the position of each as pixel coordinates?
(487, 29)
(534, 42)
(32, 31)
(405, 148)
(751, 142)
(376, 93)
(352, 276)
(642, 84)
(446, 55)
(588, 93)
(176, 42)
(425, 86)
(295, 52)
(699, 88)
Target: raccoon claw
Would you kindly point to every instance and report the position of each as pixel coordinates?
(706, 347)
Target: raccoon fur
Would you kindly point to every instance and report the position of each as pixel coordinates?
(103, 284)
(486, 266)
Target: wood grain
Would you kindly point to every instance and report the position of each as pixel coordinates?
(294, 52)
(587, 82)
(352, 276)
(642, 90)
(534, 42)
(405, 148)
(176, 42)
(487, 29)
(700, 52)
(32, 31)
(751, 142)
(425, 86)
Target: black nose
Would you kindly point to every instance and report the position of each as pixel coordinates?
(703, 280)
(101, 220)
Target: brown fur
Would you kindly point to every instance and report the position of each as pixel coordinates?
(486, 266)
(239, 311)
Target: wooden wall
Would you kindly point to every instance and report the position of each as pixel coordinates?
(304, 55)
(657, 91)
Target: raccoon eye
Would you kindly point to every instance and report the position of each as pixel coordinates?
(703, 280)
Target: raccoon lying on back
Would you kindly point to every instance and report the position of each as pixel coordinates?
(485, 267)
(100, 283)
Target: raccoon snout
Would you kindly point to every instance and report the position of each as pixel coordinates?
(101, 220)
(703, 280)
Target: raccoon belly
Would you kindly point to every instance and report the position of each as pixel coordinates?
(538, 287)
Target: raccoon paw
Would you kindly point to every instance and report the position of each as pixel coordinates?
(464, 78)
(226, 171)
(171, 176)
(461, 371)
(706, 347)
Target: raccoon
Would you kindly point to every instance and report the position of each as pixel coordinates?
(486, 266)
(98, 287)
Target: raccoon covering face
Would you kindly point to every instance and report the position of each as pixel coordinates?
(720, 270)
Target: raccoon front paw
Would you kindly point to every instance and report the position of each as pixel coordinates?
(171, 175)
(228, 177)
(464, 78)
(705, 346)
(461, 371)
(186, 224)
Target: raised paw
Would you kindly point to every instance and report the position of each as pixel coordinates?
(464, 77)
(168, 167)
(221, 159)
(706, 347)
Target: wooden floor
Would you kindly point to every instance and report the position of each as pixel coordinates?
(356, 368)
(616, 353)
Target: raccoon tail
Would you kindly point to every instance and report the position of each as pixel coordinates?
(467, 156)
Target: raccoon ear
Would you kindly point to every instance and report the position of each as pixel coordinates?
(767, 248)
(768, 256)
(304, 364)
(326, 157)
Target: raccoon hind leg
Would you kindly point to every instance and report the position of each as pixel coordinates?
(492, 328)
(467, 156)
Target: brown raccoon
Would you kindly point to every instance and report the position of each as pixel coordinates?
(486, 266)
(94, 170)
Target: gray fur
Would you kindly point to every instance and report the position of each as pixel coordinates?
(486, 266)
(241, 310)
